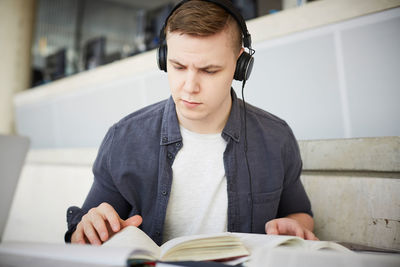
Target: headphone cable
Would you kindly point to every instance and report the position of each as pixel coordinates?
(245, 155)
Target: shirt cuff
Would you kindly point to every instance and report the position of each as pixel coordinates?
(74, 216)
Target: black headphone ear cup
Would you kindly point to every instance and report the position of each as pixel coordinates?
(162, 57)
(244, 65)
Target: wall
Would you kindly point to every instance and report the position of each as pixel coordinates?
(16, 20)
(330, 68)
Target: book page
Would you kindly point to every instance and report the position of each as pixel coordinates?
(254, 241)
(203, 247)
(326, 245)
(179, 240)
(142, 245)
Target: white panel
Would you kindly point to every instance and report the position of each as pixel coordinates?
(372, 68)
(84, 118)
(296, 79)
(156, 87)
(37, 122)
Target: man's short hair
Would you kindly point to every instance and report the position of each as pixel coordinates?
(202, 18)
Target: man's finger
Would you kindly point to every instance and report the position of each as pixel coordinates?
(298, 231)
(100, 226)
(310, 235)
(135, 220)
(292, 227)
(271, 228)
(91, 234)
(111, 216)
(77, 236)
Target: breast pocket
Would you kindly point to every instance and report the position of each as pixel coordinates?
(265, 208)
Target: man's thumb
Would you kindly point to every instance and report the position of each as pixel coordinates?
(135, 220)
(271, 228)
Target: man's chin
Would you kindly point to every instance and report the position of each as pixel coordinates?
(189, 114)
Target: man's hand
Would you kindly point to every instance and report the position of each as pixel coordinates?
(299, 224)
(100, 223)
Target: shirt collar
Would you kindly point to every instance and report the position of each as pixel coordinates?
(170, 132)
(233, 125)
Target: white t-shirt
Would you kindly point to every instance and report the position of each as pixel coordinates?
(198, 202)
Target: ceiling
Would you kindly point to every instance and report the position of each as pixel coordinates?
(146, 4)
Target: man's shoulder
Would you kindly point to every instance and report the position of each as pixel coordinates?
(269, 125)
(139, 127)
(131, 132)
(266, 116)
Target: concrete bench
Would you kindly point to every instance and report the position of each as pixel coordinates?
(353, 184)
(354, 188)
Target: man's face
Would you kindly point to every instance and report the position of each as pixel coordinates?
(200, 74)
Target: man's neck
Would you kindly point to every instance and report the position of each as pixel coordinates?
(209, 125)
(203, 128)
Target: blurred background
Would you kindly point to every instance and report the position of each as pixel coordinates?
(72, 36)
(77, 35)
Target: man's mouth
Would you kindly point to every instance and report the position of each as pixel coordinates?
(190, 104)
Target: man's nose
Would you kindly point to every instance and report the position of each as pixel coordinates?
(191, 82)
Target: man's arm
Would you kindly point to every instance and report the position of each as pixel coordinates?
(294, 214)
(101, 213)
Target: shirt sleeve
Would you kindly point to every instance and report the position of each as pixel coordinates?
(103, 188)
(294, 198)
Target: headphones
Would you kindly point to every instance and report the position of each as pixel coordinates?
(244, 64)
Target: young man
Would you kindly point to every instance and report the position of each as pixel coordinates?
(178, 167)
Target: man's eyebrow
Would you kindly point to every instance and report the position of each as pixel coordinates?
(176, 62)
(211, 66)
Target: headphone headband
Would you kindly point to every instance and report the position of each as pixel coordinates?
(228, 7)
(245, 61)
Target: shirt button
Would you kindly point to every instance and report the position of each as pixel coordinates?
(169, 155)
(164, 193)
(178, 144)
(165, 139)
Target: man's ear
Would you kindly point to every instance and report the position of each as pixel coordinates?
(240, 52)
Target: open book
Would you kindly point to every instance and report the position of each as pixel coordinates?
(222, 246)
(187, 248)
(266, 242)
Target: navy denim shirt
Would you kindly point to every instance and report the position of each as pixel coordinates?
(133, 169)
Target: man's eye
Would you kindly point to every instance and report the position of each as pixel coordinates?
(178, 67)
(210, 71)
